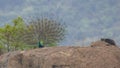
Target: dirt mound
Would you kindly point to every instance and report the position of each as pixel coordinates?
(63, 57)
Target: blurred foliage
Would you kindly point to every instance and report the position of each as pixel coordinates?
(11, 35)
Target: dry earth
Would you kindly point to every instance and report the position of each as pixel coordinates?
(102, 56)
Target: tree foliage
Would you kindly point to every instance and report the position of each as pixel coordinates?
(11, 35)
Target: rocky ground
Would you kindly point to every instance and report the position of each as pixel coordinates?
(99, 55)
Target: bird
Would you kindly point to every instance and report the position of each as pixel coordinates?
(40, 45)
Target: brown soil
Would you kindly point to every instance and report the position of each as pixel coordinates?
(102, 56)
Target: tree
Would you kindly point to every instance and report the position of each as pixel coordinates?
(11, 35)
(18, 32)
(5, 36)
(46, 31)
